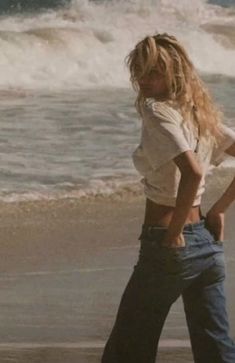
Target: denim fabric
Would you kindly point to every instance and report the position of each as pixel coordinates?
(160, 276)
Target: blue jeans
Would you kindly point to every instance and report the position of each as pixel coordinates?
(160, 276)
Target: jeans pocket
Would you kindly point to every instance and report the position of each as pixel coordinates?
(218, 250)
(219, 242)
(211, 238)
(218, 245)
(218, 253)
(173, 259)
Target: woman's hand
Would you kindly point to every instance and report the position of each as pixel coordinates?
(215, 223)
(173, 242)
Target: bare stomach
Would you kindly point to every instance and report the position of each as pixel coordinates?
(158, 214)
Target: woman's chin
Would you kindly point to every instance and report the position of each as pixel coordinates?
(147, 93)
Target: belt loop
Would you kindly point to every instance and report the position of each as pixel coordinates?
(143, 230)
(188, 227)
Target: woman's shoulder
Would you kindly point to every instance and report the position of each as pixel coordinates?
(163, 110)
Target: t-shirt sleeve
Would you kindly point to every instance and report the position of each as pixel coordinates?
(163, 138)
(218, 154)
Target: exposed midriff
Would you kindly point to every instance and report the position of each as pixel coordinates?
(161, 215)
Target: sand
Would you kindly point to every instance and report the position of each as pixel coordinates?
(59, 355)
(56, 277)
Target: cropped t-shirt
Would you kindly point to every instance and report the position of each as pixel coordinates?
(164, 135)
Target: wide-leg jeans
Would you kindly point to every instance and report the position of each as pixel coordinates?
(162, 274)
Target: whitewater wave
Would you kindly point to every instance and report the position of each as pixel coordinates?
(115, 188)
(83, 45)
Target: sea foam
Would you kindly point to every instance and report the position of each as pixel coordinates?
(83, 45)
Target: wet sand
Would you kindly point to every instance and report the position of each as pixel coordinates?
(63, 269)
(73, 355)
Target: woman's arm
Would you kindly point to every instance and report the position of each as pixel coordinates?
(225, 200)
(215, 216)
(231, 150)
(229, 195)
(191, 175)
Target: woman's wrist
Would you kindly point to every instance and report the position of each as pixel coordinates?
(217, 208)
(174, 241)
(215, 220)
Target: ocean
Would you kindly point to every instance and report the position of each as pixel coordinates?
(68, 124)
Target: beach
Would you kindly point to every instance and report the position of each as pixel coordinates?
(64, 266)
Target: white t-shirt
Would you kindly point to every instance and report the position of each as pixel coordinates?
(164, 135)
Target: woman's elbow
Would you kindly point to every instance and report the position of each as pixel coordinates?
(196, 174)
(188, 165)
(231, 150)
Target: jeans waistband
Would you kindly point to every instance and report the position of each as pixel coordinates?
(187, 227)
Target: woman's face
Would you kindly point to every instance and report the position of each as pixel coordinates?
(153, 84)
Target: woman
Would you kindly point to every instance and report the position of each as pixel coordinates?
(181, 251)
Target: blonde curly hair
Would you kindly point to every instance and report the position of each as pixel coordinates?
(185, 87)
